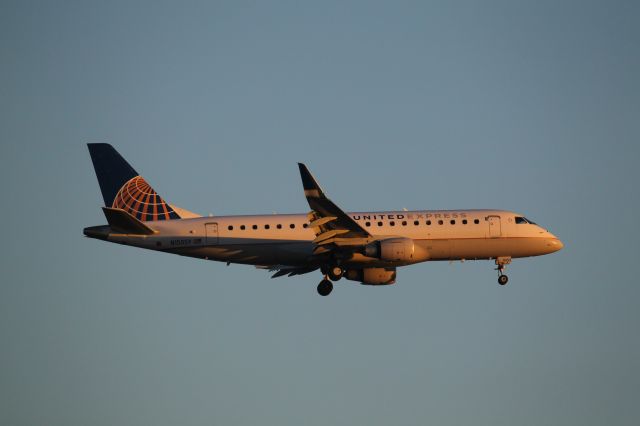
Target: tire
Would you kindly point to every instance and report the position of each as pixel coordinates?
(503, 280)
(325, 287)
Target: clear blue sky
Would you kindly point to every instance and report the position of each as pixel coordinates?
(527, 106)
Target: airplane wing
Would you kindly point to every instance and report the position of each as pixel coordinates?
(333, 226)
(282, 270)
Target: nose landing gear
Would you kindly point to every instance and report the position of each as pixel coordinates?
(501, 263)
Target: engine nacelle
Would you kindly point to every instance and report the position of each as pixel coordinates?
(372, 276)
(391, 249)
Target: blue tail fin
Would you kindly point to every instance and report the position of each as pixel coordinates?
(123, 188)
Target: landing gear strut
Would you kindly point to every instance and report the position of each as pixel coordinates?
(325, 287)
(501, 263)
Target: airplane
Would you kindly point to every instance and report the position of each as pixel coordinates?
(366, 247)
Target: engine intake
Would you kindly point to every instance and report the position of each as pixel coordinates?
(391, 249)
(372, 276)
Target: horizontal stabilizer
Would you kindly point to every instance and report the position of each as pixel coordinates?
(122, 222)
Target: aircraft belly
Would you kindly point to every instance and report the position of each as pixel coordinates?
(438, 249)
(273, 253)
(486, 248)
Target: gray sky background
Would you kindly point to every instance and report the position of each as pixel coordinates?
(527, 106)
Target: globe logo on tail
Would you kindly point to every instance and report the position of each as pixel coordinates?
(139, 199)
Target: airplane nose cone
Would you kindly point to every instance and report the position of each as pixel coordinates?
(555, 244)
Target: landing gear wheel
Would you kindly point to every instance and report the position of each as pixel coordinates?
(502, 262)
(335, 273)
(325, 287)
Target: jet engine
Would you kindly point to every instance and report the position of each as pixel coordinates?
(391, 249)
(372, 276)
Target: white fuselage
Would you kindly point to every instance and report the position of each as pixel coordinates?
(286, 239)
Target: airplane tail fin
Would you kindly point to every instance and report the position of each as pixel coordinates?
(123, 188)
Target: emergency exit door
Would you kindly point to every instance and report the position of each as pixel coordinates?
(211, 230)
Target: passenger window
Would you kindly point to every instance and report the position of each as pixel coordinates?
(440, 222)
(292, 226)
(416, 223)
(464, 221)
(404, 223)
(428, 222)
(392, 223)
(279, 226)
(453, 222)
(266, 227)
(255, 226)
(230, 228)
(305, 225)
(379, 223)
(367, 224)
(242, 227)
(476, 221)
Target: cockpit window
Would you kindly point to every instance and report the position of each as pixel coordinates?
(520, 220)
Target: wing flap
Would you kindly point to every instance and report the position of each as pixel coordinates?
(322, 221)
(329, 234)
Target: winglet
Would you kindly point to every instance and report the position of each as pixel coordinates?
(310, 185)
(328, 215)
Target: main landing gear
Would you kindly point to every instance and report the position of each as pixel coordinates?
(325, 287)
(335, 273)
(501, 263)
(331, 273)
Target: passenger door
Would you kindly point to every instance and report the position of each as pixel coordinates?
(495, 230)
(211, 230)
